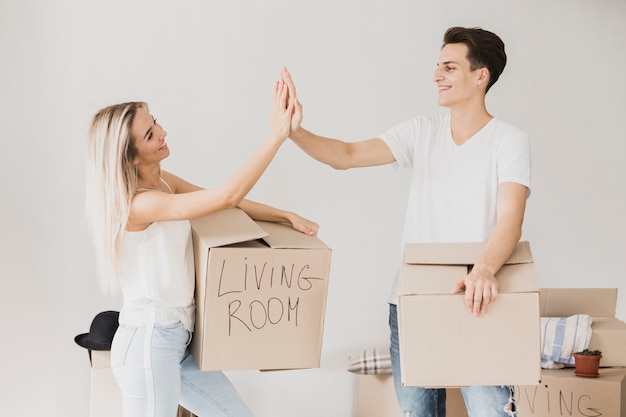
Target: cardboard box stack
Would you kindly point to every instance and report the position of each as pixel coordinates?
(562, 393)
(260, 294)
(442, 345)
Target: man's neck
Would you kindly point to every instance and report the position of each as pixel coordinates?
(466, 122)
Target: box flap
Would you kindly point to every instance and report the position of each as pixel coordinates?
(282, 236)
(458, 253)
(565, 302)
(226, 227)
(435, 268)
(430, 279)
(439, 279)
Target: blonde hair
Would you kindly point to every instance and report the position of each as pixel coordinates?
(111, 181)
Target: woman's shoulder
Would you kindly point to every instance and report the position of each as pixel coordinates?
(177, 184)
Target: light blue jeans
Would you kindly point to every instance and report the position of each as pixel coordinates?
(155, 372)
(480, 401)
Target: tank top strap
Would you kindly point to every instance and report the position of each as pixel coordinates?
(167, 185)
(139, 190)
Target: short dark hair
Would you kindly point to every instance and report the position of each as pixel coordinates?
(484, 49)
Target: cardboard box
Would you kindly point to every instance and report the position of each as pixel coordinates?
(106, 399)
(442, 345)
(376, 397)
(561, 393)
(260, 294)
(608, 334)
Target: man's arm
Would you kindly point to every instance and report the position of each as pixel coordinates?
(343, 155)
(480, 285)
(336, 153)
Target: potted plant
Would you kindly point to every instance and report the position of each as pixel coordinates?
(587, 363)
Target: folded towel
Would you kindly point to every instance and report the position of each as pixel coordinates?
(371, 361)
(561, 337)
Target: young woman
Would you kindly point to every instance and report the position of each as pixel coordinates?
(139, 221)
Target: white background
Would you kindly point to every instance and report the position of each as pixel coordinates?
(207, 69)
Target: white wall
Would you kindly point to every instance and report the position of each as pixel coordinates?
(207, 70)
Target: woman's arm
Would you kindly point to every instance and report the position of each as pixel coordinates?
(255, 210)
(266, 213)
(337, 153)
(151, 206)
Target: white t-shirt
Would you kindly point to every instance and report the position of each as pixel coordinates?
(454, 188)
(157, 273)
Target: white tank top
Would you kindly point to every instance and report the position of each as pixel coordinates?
(157, 275)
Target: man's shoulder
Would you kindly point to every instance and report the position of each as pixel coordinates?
(505, 128)
(420, 122)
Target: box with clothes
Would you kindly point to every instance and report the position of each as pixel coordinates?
(594, 307)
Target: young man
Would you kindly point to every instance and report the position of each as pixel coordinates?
(471, 178)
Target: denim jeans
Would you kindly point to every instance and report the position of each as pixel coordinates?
(480, 401)
(155, 372)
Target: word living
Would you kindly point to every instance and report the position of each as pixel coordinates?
(557, 402)
(249, 300)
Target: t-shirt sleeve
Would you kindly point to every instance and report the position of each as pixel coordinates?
(401, 142)
(514, 162)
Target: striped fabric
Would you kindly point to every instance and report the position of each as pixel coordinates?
(560, 337)
(371, 361)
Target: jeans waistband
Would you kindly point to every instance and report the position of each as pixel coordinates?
(137, 316)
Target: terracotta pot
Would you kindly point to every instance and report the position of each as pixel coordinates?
(587, 365)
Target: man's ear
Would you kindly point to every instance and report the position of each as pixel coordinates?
(483, 76)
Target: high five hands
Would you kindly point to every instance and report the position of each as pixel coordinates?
(296, 117)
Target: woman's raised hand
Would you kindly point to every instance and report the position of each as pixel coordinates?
(281, 111)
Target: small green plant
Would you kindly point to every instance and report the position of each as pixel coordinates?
(588, 352)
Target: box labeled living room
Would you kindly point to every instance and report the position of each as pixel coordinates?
(260, 294)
